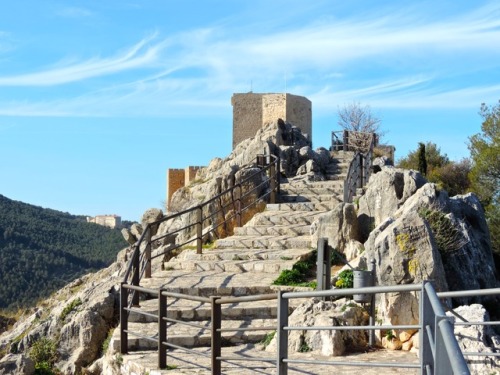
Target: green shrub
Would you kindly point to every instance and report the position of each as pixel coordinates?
(448, 237)
(44, 354)
(345, 279)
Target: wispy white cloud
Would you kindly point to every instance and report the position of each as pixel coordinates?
(74, 12)
(321, 59)
(138, 56)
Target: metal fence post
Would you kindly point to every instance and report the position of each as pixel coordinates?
(282, 339)
(135, 276)
(147, 254)
(371, 336)
(199, 230)
(238, 205)
(123, 320)
(272, 177)
(320, 263)
(216, 335)
(442, 364)
(427, 340)
(162, 330)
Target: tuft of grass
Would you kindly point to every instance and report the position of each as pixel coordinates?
(299, 273)
(267, 340)
(304, 348)
(70, 308)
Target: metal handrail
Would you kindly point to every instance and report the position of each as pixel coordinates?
(360, 166)
(140, 261)
(439, 350)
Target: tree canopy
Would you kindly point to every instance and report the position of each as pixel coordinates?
(485, 174)
(42, 250)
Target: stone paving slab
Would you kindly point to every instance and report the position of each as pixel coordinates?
(236, 265)
(276, 230)
(190, 336)
(244, 254)
(264, 242)
(184, 363)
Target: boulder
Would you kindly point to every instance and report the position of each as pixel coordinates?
(128, 236)
(136, 230)
(289, 160)
(16, 364)
(477, 338)
(385, 193)
(150, 216)
(339, 226)
(330, 343)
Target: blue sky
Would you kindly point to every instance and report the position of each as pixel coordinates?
(99, 98)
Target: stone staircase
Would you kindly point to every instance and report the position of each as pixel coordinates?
(244, 264)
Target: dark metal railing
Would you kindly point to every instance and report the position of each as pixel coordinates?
(360, 166)
(439, 349)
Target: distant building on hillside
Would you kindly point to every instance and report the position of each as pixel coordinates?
(110, 221)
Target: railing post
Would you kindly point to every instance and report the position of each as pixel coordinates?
(199, 230)
(427, 321)
(123, 320)
(238, 205)
(147, 254)
(216, 335)
(442, 364)
(320, 264)
(282, 339)
(135, 277)
(323, 265)
(162, 330)
(272, 177)
(345, 139)
(371, 335)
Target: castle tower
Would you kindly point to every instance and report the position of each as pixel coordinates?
(252, 111)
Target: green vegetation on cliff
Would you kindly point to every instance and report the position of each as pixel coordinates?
(42, 250)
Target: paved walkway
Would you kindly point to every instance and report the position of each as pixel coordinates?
(140, 363)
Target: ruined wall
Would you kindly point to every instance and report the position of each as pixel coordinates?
(175, 180)
(252, 111)
(299, 113)
(190, 174)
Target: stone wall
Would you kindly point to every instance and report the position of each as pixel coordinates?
(175, 180)
(252, 111)
(178, 178)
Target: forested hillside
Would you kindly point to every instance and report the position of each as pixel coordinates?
(42, 249)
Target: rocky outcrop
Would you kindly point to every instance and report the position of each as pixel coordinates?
(422, 234)
(339, 226)
(18, 364)
(330, 343)
(77, 319)
(477, 338)
(385, 193)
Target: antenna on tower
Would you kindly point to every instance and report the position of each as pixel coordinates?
(285, 81)
(251, 85)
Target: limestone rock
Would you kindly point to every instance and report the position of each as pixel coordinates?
(405, 253)
(321, 313)
(150, 216)
(128, 236)
(353, 249)
(339, 226)
(385, 193)
(16, 364)
(136, 230)
(477, 338)
(392, 344)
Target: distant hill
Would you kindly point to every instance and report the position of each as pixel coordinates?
(41, 250)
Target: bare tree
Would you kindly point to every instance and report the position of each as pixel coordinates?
(355, 117)
(361, 123)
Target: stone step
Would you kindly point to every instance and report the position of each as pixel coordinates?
(210, 283)
(190, 337)
(277, 230)
(235, 265)
(305, 206)
(264, 242)
(271, 218)
(312, 186)
(313, 198)
(182, 309)
(252, 254)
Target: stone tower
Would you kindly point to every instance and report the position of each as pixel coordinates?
(252, 111)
